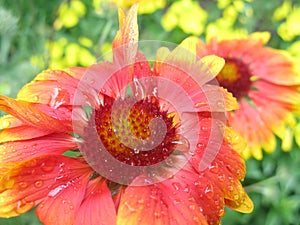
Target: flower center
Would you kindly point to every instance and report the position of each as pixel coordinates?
(127, 131)
(235, 77)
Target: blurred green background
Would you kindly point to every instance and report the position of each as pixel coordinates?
(40, 34)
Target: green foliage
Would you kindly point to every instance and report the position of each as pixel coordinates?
(28, 30)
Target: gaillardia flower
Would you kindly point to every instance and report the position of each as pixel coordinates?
(266, 85)
(123, 142)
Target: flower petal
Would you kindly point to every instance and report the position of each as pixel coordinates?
(158, 204)
(97, 207)
(248, 122)
(28, 114)
(52, 87)
(15, 151)
(125, 43)
(62, 203)
(21, 133)
(26, 183)
(214, 63)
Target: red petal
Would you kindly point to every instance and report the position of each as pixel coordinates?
(21, 133)
(28, 114)
(23, 150)
(28, 182)
(62, 203)
(98, 207)
(159, 204)
(53, 87)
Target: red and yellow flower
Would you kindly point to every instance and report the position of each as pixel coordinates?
(265, 82)
(65, 126)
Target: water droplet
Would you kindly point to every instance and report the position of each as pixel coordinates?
(187, 188)
(157, 214)
(214, 167)
(141, 201)
(23, 184)
(200, 104)
(209, 191)
(176, 186)
(192, 207)
(230, 187)
(47, 167)
(36, 98)
(131, 209)
(23, 206)
(5, 124)
(221, 212)
(177, 201)
(136, 151)
(38, 183)
(220, 104)
(169, 161)
(196, 183)
(236, 197)
(205, 128)
(221, 177)
(182, 144)
(200, 145)
(196, 219)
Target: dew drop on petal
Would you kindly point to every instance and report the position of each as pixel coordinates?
(200, 145)
(38, 183)
(131, 209)
(192, 207)
(157, 214)
(221, 177)
(214, 167)
(236, 197)
(23, 206)
(176, 186)
(209, 191)
(204, 128)
(23, 184)
(200, 104)
(5, 124)
(47, 167)
(141, 201)
(36, 98)
(221, 212)
(230, 187)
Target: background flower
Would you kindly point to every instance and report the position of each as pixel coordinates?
(273, 182)
(266, 85)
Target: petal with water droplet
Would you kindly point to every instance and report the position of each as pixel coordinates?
(14, 151)
(97, 206)
(30, 115)
(29, 182)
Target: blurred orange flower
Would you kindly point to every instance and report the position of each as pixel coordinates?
(265, 82)
(121, 143)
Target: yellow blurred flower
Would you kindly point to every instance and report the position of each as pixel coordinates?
(186, 14)
(290, 28)
(64, 54)
(69, 13)
(223, 28)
